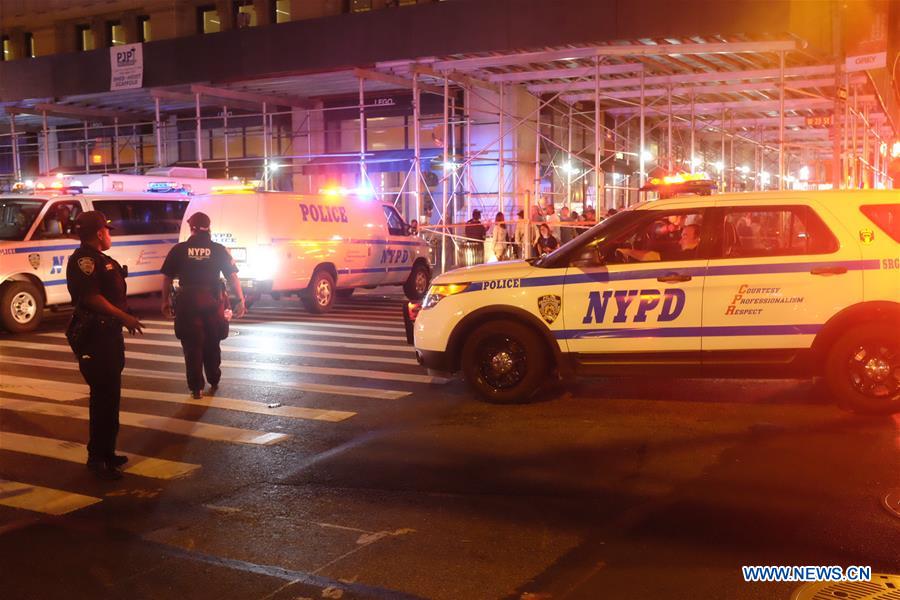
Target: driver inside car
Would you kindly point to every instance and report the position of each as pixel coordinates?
(686, 249)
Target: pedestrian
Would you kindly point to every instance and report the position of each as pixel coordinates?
(520, 234)
(200, 305)
(565, 232)
(552, 217)
(501, 237)
(546, 242)
(474, 243)
(97, 286)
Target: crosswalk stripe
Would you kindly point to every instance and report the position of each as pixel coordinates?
(41, 499)
(339, 390)
(261, 350)
(248, 331)
(246, 406)
(74, 452)
(393, 317)
(207, 431)
(299, 324)
(392, 311)
(266, 366)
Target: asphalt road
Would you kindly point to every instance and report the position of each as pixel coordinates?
(329, 465)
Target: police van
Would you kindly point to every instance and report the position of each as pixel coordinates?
(318, 246)
(765, 284)
(37, 237)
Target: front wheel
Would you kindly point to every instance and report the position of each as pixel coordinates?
(505, 361)
(21, 306)
(863, 369)
(417, 283)
(318, 298)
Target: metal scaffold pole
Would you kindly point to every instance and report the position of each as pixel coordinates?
(363, 176)
(46, 131)
(116, 142)
(157, 126)
(693, 125)
(87, 151)
(225, 136)
(17, 172)
(417, 113)
(265, 145)
(642, 172)
(854, 142)
(781, 170)
(199, 131)
(444, 174)
(670, 164)
(501, 163)
(569, 165)
(599, 195)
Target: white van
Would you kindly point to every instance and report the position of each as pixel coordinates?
(37, 237)
(184, 179)
(318, 246)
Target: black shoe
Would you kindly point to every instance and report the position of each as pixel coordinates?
(213, 388)
(104, 471)
(196, 394)
(117, 460)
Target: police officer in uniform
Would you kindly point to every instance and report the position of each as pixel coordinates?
(96, 283)
(199, 312)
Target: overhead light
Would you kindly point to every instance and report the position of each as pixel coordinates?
(274, 166)
(895, 150)
(744, 169)
(647, 156)
(804, 173)
(719, 166)
(764, 177)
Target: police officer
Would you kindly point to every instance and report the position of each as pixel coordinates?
(96, 283)
(199, 311)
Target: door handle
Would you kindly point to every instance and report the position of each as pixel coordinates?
(673, 278)
(828, 270)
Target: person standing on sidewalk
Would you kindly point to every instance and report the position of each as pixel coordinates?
(97, 285)
(199, 311)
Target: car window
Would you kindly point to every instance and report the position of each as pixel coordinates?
(16, 217)
(142, 217)
(886, 216)
(667, 236)
(395, 223)
(774, 231)
(58, 222)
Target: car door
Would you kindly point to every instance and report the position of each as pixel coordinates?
(55, 240)
(778, 274)
(635, 297)
(399, 251)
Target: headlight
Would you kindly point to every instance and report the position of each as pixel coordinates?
(263, 262)
(438, 292)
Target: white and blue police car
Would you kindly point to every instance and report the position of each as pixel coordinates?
(764, 284)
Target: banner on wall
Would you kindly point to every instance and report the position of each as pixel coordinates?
(865, 35)
(126, 67)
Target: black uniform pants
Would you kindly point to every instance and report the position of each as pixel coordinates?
(101, 368)
(200, 325)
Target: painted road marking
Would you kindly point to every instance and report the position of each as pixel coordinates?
(265, 366)
(286, 327)
(246, 406)
(340, 390)
(250, 332)
(207, 431)
(41, 499)
(264, 349)
(144, 466)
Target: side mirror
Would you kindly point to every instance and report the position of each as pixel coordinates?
(590, 257)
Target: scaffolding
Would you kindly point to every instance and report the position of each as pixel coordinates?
(576, 127)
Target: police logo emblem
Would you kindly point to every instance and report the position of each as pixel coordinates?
(35, 260)
(866, 236)
(549, 307)
(86, 264)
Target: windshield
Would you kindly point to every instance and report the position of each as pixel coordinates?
(601, 229)
(16, 217)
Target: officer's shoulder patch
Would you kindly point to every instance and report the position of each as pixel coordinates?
(110, 266)
(87, 265)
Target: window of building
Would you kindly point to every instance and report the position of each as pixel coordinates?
(282, 11)
(30, 50)
(244, 14)
(115, 33)
(144, 31)
(208, 19)
(85, 38)
(360, 5)
(6, 50)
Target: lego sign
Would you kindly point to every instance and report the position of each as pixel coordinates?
(126, 67)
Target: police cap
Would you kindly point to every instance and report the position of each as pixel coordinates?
(90, 222)
(199, 221)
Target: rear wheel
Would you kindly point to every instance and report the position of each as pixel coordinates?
(319, 296)
(863, 369)
(21, 306)
(505, 361)
(417, 283)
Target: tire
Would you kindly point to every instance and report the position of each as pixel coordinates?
(862, 369)
(505, 361)
(318, 298)
(21, 307)
(344, 293)
(417, 283)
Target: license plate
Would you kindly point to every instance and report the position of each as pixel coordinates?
(238, 254)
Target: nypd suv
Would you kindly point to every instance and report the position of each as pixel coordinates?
(780, 284)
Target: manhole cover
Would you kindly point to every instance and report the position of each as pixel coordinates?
(881, 587)
(892, 503)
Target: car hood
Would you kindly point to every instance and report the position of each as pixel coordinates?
(500, 270)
